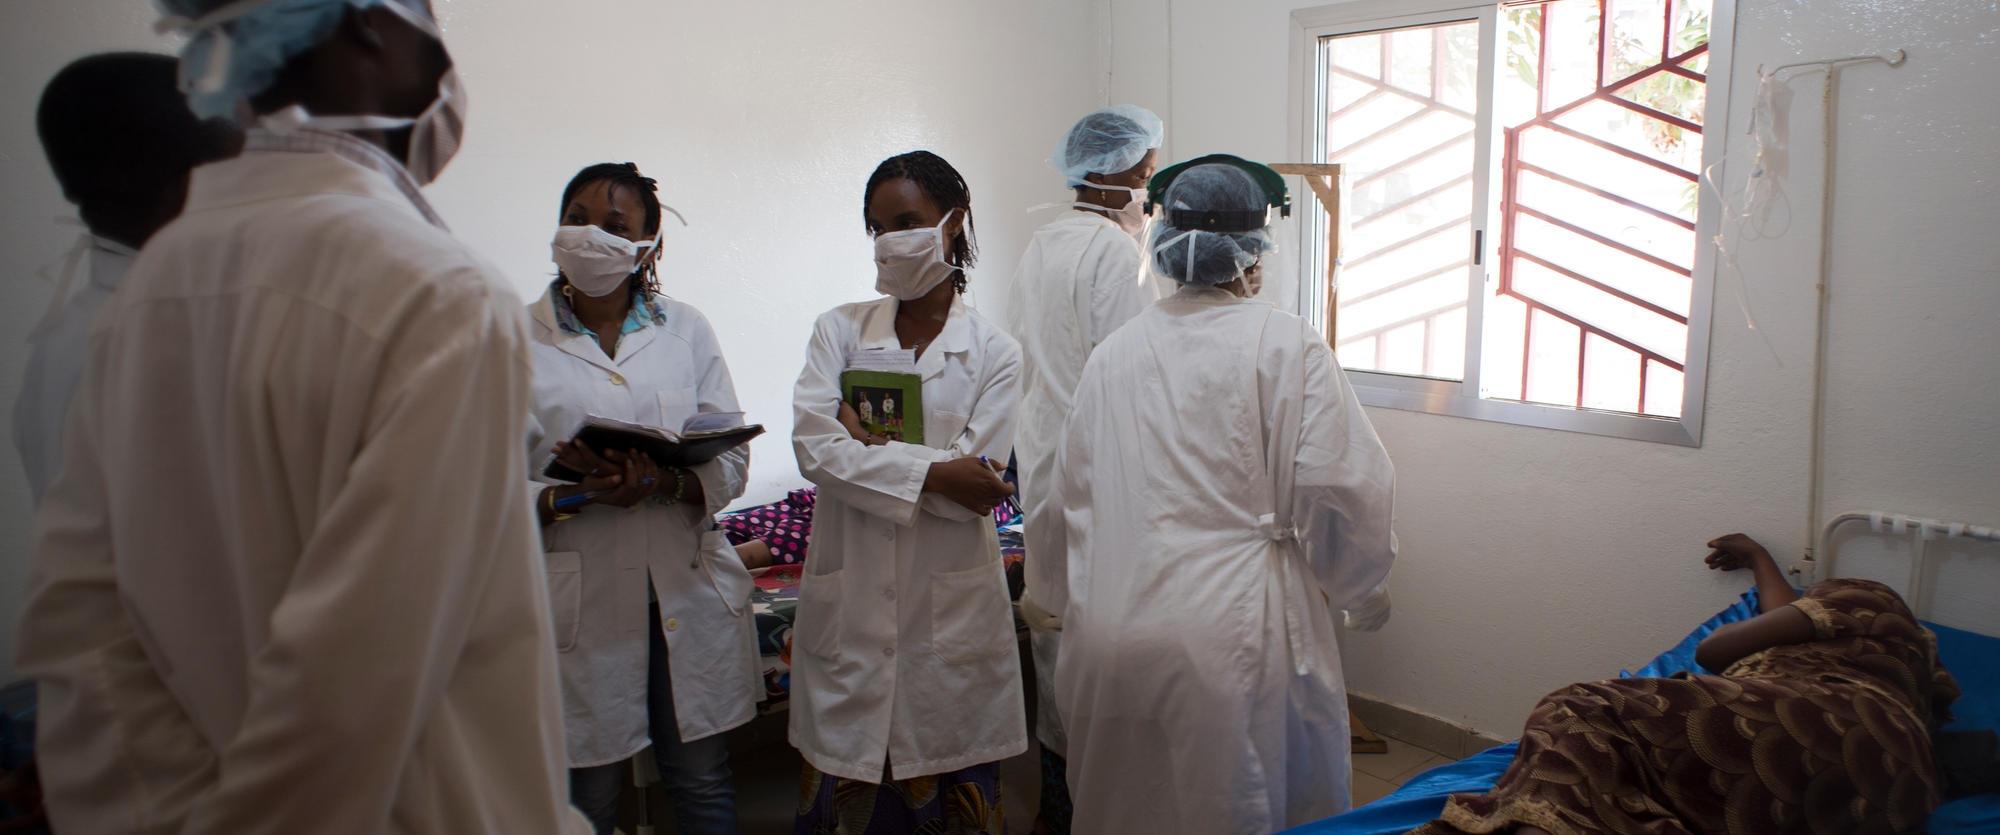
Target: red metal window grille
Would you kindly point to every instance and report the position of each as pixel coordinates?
(1601, 110)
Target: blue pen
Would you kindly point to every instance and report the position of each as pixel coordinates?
(572, 501)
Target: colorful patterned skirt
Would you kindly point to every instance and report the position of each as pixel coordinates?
(962, 802)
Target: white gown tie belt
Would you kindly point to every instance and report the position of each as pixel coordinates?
(1294, 584)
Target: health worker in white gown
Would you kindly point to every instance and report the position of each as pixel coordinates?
(1224, 494)
(906, 684)
(652, 606)
(121, 141)
(288, 580)
(1080, 279)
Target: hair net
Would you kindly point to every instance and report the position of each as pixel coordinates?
(238, 52)
(1199, 256)
(1108, 141)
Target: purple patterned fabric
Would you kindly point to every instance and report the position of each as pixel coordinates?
(785, 526)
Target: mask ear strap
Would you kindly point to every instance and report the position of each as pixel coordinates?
(660, 237)
(1189, 279)
(946, 237)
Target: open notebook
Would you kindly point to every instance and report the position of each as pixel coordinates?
(700, 440)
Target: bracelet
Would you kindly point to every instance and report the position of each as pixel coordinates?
(665, 499)
(549, 500)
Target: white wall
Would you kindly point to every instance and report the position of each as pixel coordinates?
(761, 120)
(1531, 557)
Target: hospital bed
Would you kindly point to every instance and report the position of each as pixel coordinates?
(1973, 658)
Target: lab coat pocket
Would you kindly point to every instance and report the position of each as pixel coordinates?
(565, 596)
(970, 616)
(817, 629)
(944, 428)
(676, 406)
(725, 571)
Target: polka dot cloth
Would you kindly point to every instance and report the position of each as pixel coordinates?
(785, 526)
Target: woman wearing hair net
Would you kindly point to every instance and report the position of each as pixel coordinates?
(1080, 279)
(1224, 494)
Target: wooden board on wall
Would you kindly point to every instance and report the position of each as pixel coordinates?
(1330, 187)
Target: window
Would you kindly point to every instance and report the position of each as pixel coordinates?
(1522, 211)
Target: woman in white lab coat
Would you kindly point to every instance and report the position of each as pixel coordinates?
(1223, 492)
(650, 602)
(904, 668)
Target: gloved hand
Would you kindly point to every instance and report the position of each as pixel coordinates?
(1371, 614)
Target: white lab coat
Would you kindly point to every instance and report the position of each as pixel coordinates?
(288, 580)
(1199, 677)
(56, 351)
(904, 644)
(600, 562)
(1080, 279)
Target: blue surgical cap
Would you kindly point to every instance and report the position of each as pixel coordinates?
(240, 57)
(1200, 256)
(1108, 141)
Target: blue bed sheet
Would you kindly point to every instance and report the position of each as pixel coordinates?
(1973, 658)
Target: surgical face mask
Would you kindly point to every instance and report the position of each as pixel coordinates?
(1132, 217)
(597, 262)
(1253, 280)
(435, 134)
(910, 263)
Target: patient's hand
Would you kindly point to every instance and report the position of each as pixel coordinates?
(1736, 551)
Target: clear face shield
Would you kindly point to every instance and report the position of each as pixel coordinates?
(1229, 215)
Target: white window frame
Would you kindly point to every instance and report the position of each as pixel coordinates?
(1461, 398)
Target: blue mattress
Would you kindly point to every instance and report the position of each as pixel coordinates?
(1973, 658)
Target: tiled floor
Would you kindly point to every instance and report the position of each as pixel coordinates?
(1376, 775)
(767, 776)
(767, 779)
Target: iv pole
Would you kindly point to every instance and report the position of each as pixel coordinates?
(1829, 85)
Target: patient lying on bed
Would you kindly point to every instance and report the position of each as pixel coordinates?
(773, 534)
(1821, 722)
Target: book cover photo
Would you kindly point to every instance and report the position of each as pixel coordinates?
(889, 403)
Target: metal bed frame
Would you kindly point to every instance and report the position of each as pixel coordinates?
(1921, 529)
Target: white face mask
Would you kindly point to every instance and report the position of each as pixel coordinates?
(910, 263)
(597, 262)
(1131, 218)
(435, 134)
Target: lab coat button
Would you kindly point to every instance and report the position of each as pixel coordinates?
(618, 379)
(673, 624)
(889, 593)
(888, 652)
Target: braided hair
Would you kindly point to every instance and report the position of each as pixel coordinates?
(623, 175)
(945, 186)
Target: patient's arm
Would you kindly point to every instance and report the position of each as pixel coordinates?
(1736, 551)
(1780, 624)
(755, 554)
(1740, 640)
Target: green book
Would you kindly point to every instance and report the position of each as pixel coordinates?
(890, 403)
